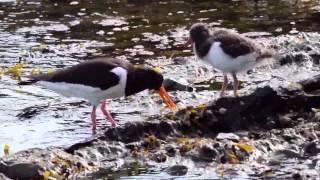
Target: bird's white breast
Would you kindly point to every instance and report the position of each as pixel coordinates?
(224, 62)
(93, 94)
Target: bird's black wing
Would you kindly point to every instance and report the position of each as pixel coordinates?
(95, 73)
(233, 44)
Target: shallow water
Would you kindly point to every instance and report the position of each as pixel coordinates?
(55, 34)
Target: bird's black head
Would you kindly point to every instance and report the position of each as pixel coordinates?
(199, 32)
(147, 78)
(142, 79)
(153, 78)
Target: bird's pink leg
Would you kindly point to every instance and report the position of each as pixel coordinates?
(235, 84)
(224, 85)
(93, 118)
(107, 113)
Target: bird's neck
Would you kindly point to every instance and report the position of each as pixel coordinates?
(202, 47)
(135, 83)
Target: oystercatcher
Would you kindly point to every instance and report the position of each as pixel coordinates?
(226, 51)
(100, 79)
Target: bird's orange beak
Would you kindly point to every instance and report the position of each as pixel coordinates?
(188, 43)
(166, 99)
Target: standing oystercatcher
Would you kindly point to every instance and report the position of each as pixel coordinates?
(227, 51)
(101, 79)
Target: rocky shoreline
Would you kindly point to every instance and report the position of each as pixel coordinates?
(271, 131)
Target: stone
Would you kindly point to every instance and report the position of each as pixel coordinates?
(159, 157)
(285, 154)
(171, 150)
(171, 85)
(312, 148)
(208, 152)
(230, 136)
(21, 170)
(177, 170)
(3, 177)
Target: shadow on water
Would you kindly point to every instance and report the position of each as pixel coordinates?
(55, 33)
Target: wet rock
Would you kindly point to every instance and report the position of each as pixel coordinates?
(297, 176)
(171, 150)
(208, 117)
(180, 60)
(21, 170)
(222, 110)
(159, 157)
(171, 85)
(30, 112)
(204, 153)
(312, 84)
(264, 106)
(3, 177)
(177, 170)
(312, 148)
(136, 130)
(284, 121)
(230, 136)
(285, 154)
(79, 145)
(151, 142)
(208, 152)
(133, 145)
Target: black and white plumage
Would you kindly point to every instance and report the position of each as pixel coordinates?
(227, 51)
(100, 79)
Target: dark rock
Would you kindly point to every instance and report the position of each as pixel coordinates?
(79, 145)
(30, 112)
(284, 121)
(294, 58)
(171, 150)
(264, 108)
(159, 157)
(171, 85)
(134, 131)
(151, 142)
(312, 148)
(209, 117)
(297, 176)
(311, 84)
(177, 170)
(208, 152)
(21, 170)
(180, 60)
(204, 153)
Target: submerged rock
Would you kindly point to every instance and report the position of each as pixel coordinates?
(159, 157)
(21, 170)
(172, 85)
(177, 170)
(312, 148)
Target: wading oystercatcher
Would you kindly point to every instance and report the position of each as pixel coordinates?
(226, 51)
(100, 79)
